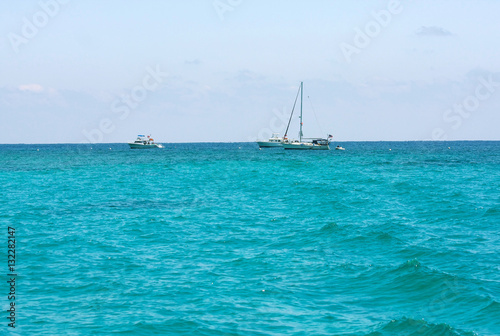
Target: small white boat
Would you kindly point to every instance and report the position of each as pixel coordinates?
(143, 142)
(339, 148)
(274, 141)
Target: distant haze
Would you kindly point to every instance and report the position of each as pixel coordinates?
(228, 70)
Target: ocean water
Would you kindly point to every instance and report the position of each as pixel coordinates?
(227, 239)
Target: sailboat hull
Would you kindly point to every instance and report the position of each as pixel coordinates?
(305, 146)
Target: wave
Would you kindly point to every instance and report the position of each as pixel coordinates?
(414, 327)
(413, 276)
(492, 212)
(330, 227)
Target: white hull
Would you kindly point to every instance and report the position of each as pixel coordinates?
(266, 144)
(274, 141)
(305, 146)
(142, 146)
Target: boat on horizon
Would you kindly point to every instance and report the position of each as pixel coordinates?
(273, 142)
(314, 143)
(143, 142)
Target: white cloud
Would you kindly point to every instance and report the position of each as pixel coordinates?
(433, 31)
(31, 87)
(193, 62)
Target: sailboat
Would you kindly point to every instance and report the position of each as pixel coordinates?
(314, 143)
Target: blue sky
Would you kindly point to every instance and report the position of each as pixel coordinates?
(228, 70)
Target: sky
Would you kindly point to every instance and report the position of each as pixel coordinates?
(74, 71)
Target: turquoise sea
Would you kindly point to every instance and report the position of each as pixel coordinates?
(384, 238)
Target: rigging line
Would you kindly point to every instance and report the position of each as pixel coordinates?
(291, 115)
(315, 117)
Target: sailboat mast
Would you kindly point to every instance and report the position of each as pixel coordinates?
(301, 98)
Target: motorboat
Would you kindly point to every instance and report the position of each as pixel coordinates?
(273, 142)
(144, 142)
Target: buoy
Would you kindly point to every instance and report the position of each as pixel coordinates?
(390, 149)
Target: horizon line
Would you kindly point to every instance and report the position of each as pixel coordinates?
(228, 142)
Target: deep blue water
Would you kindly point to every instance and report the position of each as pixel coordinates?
(226, 239)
